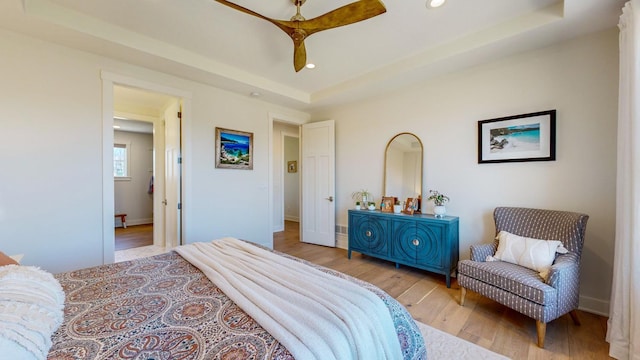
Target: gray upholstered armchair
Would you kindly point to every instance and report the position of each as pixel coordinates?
(523, 289)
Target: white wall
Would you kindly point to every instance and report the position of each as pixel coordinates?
(131, 196)
(51, 151)
(579, 78)
(280, 190)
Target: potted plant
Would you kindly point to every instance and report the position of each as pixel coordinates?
(438, 201)
(372, 205)
(397, 207)
(363, 196)
(358, 207)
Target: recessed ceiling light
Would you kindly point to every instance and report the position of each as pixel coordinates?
(432, 4)
(116, 127)
(311, 66)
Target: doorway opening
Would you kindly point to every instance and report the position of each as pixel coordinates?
(133, 153)
(138, 102)
(286, 176)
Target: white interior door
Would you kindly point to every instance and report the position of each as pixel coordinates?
(318, 183)
(172, 176)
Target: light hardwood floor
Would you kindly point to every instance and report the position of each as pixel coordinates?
(481, 321)
(133, 236)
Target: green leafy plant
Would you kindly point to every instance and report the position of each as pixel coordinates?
(361, 195)
(438, 198)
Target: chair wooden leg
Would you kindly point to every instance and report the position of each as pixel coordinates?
(542, 329)
(574, 317)
(463, 293)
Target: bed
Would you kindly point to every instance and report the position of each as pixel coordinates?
(165, 307)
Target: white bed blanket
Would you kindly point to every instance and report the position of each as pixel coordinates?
(313, 314)
(31, 309)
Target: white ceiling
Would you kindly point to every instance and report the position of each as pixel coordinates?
(208, 42)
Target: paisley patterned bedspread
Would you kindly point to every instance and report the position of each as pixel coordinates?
(162, 307)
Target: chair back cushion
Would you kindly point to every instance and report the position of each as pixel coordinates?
(568, 227)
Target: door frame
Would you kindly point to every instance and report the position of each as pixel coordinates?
(110, 79)
(287, 119)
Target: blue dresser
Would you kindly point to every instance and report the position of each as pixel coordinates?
(421, 241)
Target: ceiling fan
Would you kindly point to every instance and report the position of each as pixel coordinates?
(299, 28)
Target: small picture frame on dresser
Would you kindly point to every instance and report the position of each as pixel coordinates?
(387, 203)
(409, 206)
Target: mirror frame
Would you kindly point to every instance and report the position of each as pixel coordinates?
(384, 169)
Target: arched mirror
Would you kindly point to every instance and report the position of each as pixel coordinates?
(403, 167)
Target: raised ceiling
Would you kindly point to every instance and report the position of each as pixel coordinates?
(208, 42)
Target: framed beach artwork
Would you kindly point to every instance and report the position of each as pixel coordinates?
(234, 149)
(526, 137)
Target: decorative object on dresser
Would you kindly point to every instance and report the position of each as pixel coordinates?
(420, 241)
(409, 206)
(363, 197)
(519, 284)
(397, 207)
(438, 201)
(387, 203)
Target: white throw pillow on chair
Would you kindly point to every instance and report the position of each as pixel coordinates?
(531, 253)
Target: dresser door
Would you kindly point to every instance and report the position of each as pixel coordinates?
(369, 233)
(431, 247)
(418, 242)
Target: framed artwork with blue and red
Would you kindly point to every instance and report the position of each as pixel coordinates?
(234, 149)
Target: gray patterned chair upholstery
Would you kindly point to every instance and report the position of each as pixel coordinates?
(520, 288)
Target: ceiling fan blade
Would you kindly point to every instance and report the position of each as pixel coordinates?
(348, 14)
(283, 25)
(299, 55)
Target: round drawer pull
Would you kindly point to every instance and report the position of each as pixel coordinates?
(416, 242)
(368, 233)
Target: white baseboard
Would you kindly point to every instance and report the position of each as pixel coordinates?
(594, 306)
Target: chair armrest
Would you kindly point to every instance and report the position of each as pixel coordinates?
(481, 251)
(564, 276)
(565, 269)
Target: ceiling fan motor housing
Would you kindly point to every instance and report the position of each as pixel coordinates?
(298, 34)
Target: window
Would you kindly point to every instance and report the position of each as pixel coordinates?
(120, 160)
